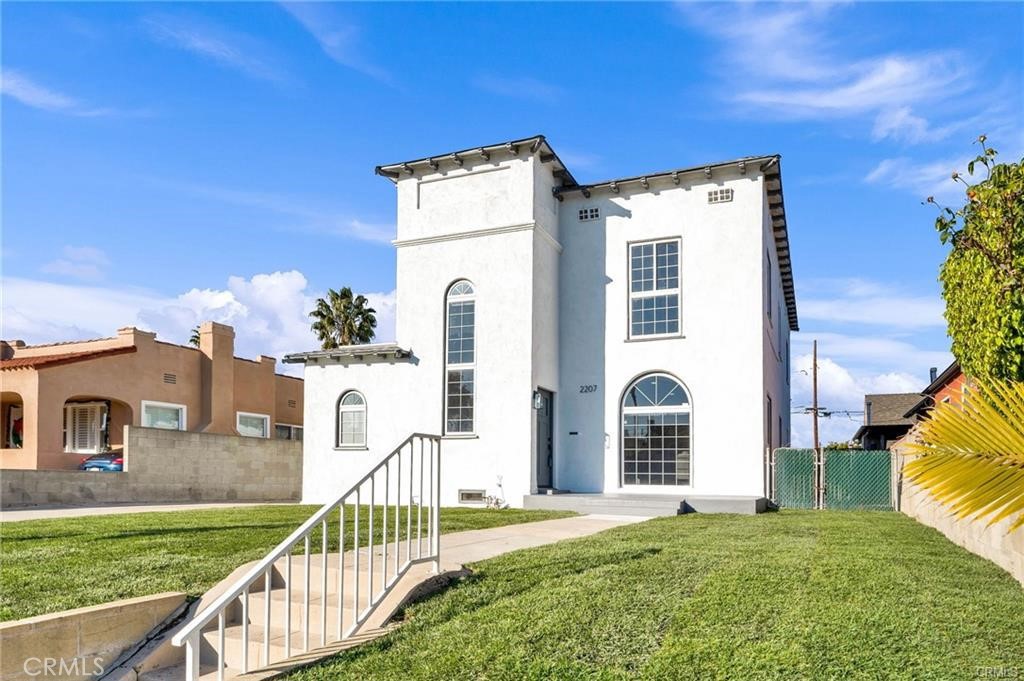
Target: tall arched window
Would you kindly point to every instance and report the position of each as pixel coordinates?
(460, 358)
(656, 432)
(352, 420)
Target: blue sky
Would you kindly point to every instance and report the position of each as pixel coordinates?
(166, 163)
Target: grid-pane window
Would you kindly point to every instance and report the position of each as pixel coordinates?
(654, 288)
(351, 420)
(460, 359)
(656, 433)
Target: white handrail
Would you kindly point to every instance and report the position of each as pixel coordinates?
(190, 634)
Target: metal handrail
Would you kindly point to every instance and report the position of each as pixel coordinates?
(190, 634)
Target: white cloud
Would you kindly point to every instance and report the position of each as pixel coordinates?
(268, 312)
(303, 213)
(931, 178)
(868, 302)
(79, 262)
(840, 390)
(872, 349)
(519, 87)
(229, 49)
(20, 87)
(785, 59)
(338, 38)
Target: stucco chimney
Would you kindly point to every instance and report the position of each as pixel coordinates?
(217, 345)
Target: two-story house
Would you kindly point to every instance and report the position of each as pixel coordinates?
(627, 336)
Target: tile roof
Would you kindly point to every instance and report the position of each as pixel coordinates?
(42, 361)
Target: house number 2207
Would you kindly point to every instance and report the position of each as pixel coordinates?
(592, 388)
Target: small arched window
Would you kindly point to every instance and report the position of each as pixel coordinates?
(352, 420)
(656, 432)
(460, 358)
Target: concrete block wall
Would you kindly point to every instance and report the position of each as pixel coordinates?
(163, 466)
(83, 643)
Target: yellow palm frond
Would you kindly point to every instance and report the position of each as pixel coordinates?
(970, 456)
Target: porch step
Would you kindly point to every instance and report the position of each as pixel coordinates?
(649, 505)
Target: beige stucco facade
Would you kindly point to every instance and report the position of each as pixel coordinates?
(124, 376)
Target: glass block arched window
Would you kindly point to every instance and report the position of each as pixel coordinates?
(656, 432)
(460, 358)
(351, 420)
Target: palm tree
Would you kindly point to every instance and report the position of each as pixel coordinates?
(343, 319)
(193, 339)
(971, 456)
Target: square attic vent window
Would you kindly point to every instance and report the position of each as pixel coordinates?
(719, 195)
(591, 213)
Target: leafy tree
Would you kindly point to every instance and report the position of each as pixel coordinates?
(842, 445)
(983, 275)
(343, 318)
(193, 339)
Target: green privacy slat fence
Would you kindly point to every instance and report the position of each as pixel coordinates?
(837, 479)
(794, 478)
(858, 479)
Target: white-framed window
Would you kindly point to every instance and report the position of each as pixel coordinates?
(720, 195)
(84, 423)
(166, 415)
(589, 213)
(460, 359)
(252, 425)
(656, 432)
(286, 431)
(351, 420)
(654, 288)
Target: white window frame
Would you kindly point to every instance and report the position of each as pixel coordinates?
(290, 426)
(351, 408)
(654, 292)
(238, 423)
(182, 422)
(624, 411)
(461, 366)
(69, 437)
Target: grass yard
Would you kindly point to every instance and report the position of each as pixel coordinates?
(789, 595)
(51, 565)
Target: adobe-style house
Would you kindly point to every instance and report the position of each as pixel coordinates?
(63, 401)
(627, 336)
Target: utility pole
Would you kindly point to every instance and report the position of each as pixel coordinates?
(814, 391)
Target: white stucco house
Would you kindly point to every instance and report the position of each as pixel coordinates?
(621, 338)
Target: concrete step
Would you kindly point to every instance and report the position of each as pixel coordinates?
(649, 505)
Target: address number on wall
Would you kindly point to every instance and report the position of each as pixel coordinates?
(592, 388)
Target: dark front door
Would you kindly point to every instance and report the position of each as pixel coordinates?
(545, 439)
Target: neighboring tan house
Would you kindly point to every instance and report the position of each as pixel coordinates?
(627, 336)
(63, 401)
(949, 386)
(885, 419)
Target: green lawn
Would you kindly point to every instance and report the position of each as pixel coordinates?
(50, 565)
(789, 595)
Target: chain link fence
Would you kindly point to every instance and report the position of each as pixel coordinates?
(831, 478)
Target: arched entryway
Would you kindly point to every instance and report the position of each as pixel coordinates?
(94, 424)
(656, 431)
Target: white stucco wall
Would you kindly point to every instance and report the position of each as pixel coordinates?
(552, 312)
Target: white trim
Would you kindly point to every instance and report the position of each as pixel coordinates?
(489, 231)
(463, 366)
(99, 408)
(673, 409)
(361, 408)
(293, 426)
(238, 423)
(183, 421)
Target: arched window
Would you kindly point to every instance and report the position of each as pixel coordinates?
(352, 420)
(460, 358)
(656, 432)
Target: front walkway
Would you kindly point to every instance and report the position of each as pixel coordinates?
(44, 512)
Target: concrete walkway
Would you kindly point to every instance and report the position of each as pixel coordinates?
(43, 512)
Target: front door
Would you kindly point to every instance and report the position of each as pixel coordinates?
(545, 438)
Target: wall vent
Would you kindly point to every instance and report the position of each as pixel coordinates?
(720, 195)
(471, 496)
(292, 403)
(171, 378)
(589, 213)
